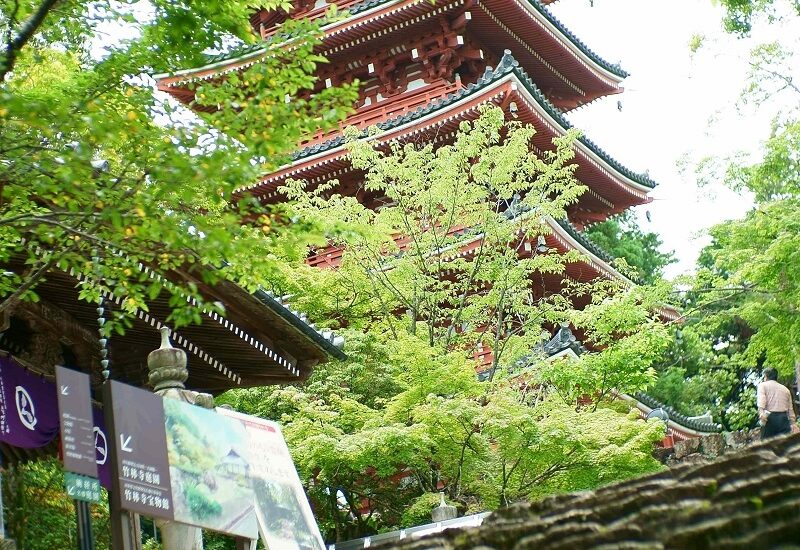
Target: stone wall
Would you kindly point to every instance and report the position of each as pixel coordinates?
(706, 448)
(746, 499)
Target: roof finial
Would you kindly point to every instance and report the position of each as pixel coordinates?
(167, 365)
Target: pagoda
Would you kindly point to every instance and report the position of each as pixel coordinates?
(425, 66)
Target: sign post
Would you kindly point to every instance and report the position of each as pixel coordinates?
(140, 466)
(199, 468)
(78, 448)
(137, 454)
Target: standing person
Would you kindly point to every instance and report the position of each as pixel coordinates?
(775, 409)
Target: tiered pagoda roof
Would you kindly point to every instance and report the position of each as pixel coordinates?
(428, 99)
(570, 73)
(612, 187)
(374, 30)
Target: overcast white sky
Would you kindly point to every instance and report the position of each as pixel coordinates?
(675, 105)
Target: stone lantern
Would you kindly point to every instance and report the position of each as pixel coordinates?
(444, 511)
(168, 373)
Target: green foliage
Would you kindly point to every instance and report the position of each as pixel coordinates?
(37, 512)
(200, 501)
(627, 328)
(696, 42)
(622, 237)
(741, 306)
(706, 370)
(482, 189)
(741, 14)
(434, 427)
(100, 177)
(419, 511)
(374, 438)
(603, 446)
(756, 257)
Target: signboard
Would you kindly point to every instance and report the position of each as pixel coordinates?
(180, 462)
(81, 487)
(210, 468)
(140, 450)
(77, 426)
(285, 519)
(218, 470)
(29, 414)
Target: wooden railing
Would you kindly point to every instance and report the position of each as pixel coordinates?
(390, 107)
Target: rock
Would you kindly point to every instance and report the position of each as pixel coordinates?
(738, 440)
(748, 499)
(694, 458)
(686, 447)
(712, 445)
(663, 454)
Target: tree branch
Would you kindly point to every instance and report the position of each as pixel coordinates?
(25, 33)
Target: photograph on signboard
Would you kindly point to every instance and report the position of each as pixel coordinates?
(279, 510)
(209, 461)
(285, 519)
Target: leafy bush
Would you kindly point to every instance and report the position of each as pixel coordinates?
(419, 513)
(201, 503)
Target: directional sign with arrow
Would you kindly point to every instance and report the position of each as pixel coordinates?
(141, 478)
(77, 426)
(80, 487)
(125, 443)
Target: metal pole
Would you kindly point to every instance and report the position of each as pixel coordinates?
(84, 520)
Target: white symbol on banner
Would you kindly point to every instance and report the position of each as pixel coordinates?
(100, 446)
(25, 408)
(64, 390)
(124, 443)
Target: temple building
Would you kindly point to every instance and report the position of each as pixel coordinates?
(258, 340)
(426, 66)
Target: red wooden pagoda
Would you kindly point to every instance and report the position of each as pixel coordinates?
(424, 66)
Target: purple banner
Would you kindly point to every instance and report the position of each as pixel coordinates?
(28, 407)
(29, 414)
(101, 448)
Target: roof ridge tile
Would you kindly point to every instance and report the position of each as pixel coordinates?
(507, 65)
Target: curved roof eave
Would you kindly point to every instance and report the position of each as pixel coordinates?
(324, 339)
(610, 70)
(534, 7)
(599, 258)
(647, 403)
(507, 68)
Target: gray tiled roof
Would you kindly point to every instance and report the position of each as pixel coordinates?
(677, 417)
(611, 67)
(593, 247)
(324, 338)
(590, 245)
(507, 66)
(369, 4)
